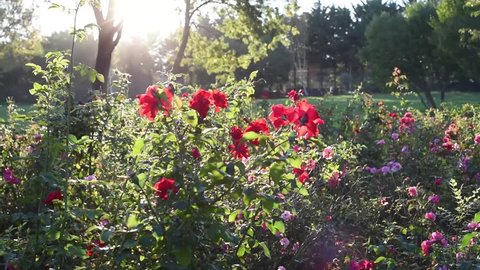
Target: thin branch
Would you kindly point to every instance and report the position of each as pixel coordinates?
(199, 7)
(117, 38)
(98, 15)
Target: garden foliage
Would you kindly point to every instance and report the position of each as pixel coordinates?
(187, 178)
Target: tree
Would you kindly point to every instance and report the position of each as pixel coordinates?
(15, 21)
(299, 50)
(453, 17)
(364, 13)
(318, 37)
(19, 44)
(404, 42)
(331, 39)
(249, 21)
(109, 34)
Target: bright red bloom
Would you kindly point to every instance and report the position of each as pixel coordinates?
(308, 120)
(219, 99)
(392, 115)
(162, 187)
(149, 103)
(152, 100)
(196, 153)
(257, 126)
(201, 102)
(239, 150)
(301, 173)
(54, 195)
(90, 250)
(236, 133)
(282, 116)
(293, 95)
(166, 100)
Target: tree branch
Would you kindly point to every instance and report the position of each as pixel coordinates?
(119, 30)
(111, 9)
(98, 15)
(194, 10)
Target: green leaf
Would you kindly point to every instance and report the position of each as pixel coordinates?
(266, 251)
(253, 75)
(295, 162)
(132, 221)
(466, 239)
(241, 251)
(233, 215)
(137, 147)
(476, 219)
(92, 75)
(105, 236)
(100, 78)
(268, 204)
(280, 226)
(251, 136)
(303, 191)
(276, 171)
(380, 259)
(141, 179)
(191, 118)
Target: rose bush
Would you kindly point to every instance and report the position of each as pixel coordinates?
(188, 178)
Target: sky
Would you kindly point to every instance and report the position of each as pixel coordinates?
(142, 17)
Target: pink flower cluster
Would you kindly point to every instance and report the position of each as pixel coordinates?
(407, 123)
(362, 265)
(10, 177)
(435, 238)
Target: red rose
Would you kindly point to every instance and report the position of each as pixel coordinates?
(282, 116)
(54, 195)
(301, 173)
(258, 126)
(219, 99)
(236, 133)
(239, 150)
(162, 187)
(308, 120)
(149, 103)
(166, 99)
(196, 153)
(201, 102)
(152, 99)
(293, 95)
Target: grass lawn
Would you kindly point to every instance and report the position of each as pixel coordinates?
(452, 99)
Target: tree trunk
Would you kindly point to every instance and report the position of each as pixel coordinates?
(104, 60)
(335, 77)
(185, 35)
(294, 76)
(442, 91)
(430, 100)
(108, 37)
